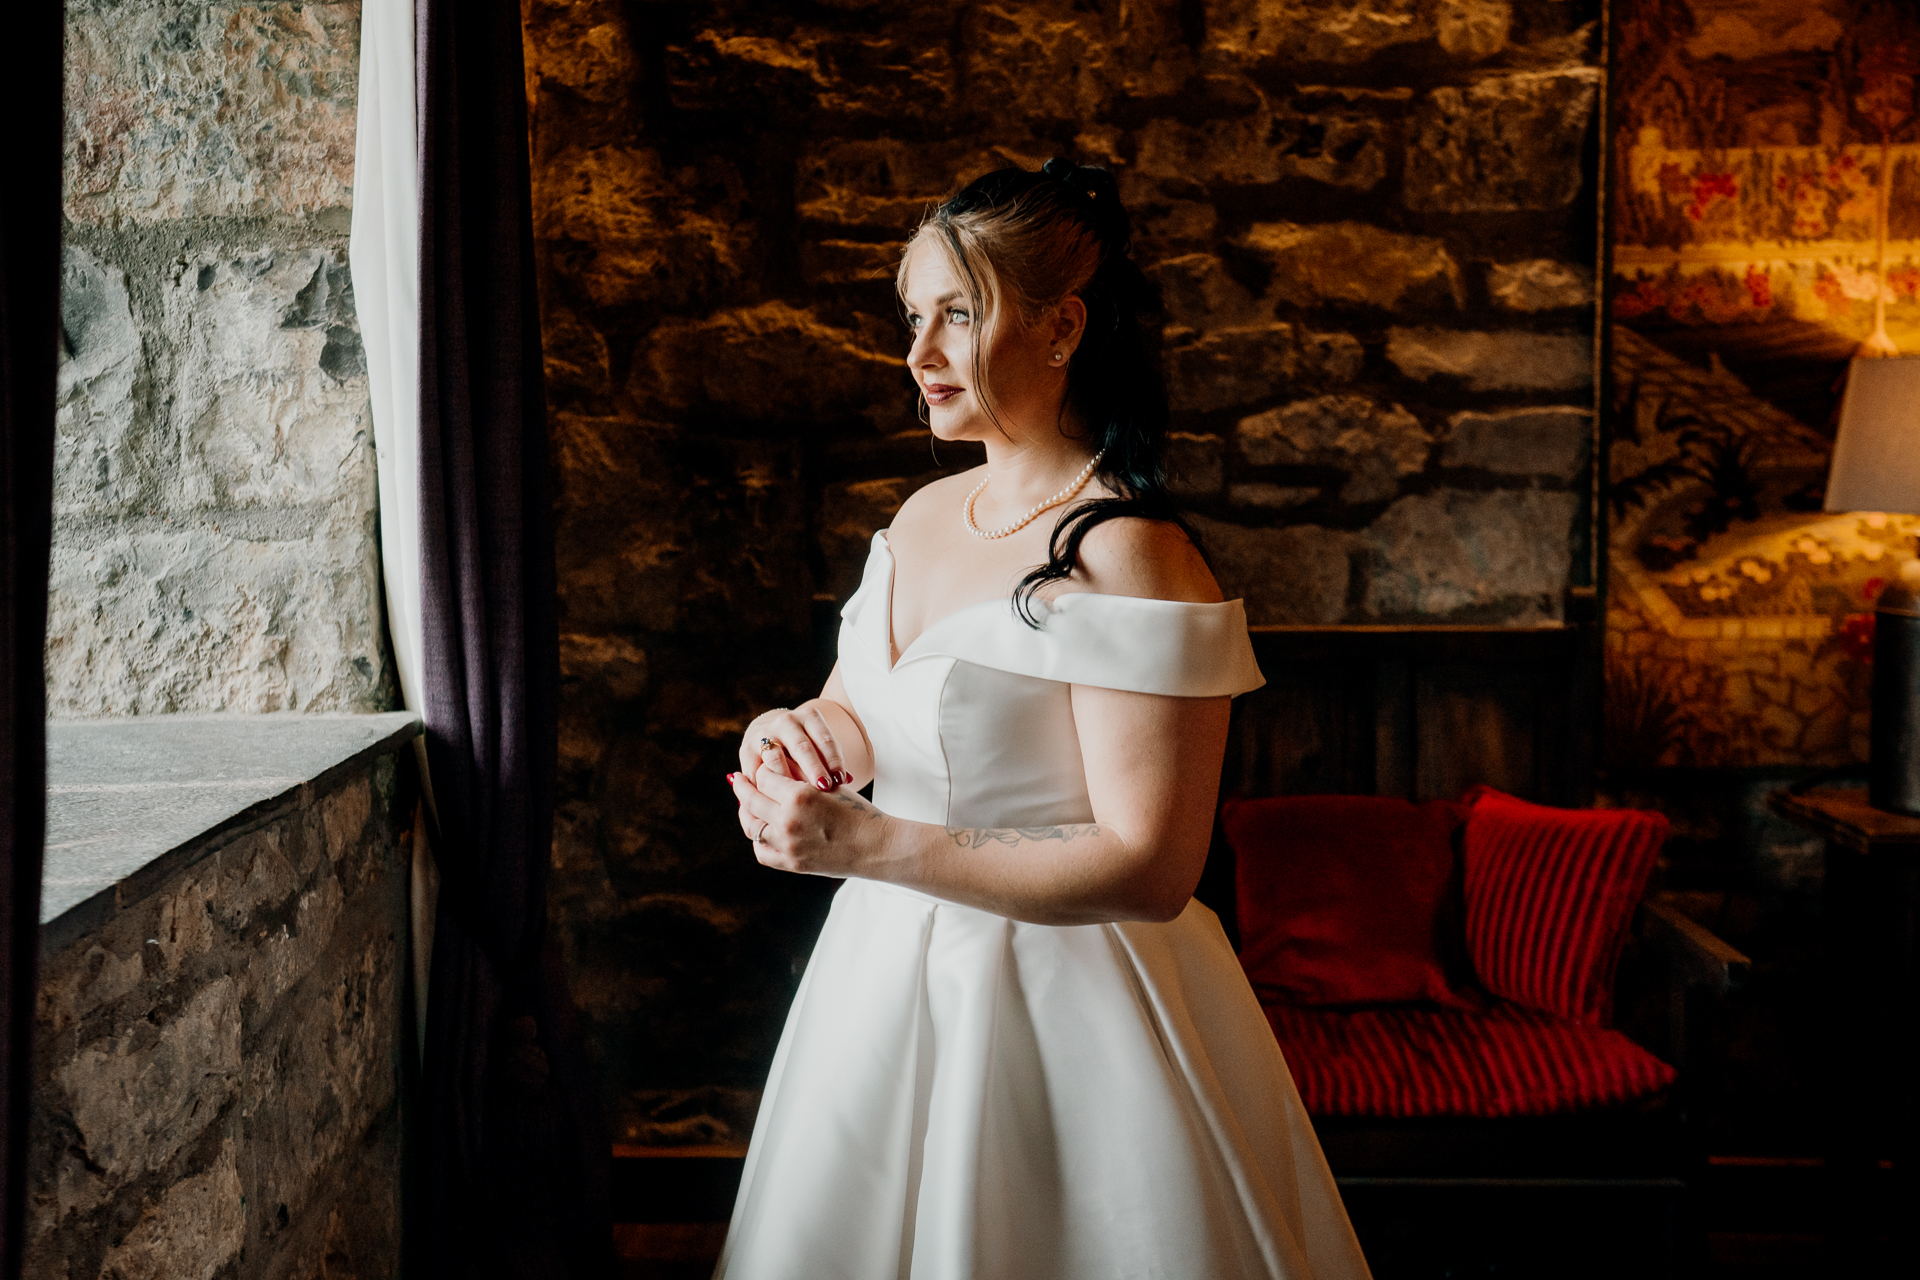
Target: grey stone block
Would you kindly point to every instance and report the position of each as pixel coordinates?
(1502, 361)
(1294, 574)
(1500, 556)
(183, 108)
(1546, 442)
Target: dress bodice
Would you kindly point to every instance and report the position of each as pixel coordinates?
(973, 726)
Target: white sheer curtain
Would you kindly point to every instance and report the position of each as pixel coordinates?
(385, 254)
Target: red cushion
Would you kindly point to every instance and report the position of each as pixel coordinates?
(1549, 893)
(1348, 900)
(1507, 1061)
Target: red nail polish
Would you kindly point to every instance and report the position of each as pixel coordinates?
(823, 784)
(846, 778)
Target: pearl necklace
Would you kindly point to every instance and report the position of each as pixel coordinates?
(1074, 486)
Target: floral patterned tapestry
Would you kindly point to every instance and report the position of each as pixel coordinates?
(1750, 142)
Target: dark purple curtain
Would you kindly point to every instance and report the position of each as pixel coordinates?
(511, 1156)
(29, 336)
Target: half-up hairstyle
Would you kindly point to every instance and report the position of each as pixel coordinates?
(1021, 243)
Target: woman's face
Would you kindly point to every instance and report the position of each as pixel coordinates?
(1027, 383)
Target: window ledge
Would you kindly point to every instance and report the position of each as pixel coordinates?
(131, 802)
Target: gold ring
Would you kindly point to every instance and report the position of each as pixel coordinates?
(767, 742)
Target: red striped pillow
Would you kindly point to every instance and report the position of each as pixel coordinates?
(1549, 893)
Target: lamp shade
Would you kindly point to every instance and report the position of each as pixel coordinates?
(1876, 457)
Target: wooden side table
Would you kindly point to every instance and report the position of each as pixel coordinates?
(1870, 901)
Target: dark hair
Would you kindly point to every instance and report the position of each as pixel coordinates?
(1028, 241)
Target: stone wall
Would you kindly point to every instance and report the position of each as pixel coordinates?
(215, 533)
(1373, 223)
(217, 1070)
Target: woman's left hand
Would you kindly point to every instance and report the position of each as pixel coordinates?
(795, 827)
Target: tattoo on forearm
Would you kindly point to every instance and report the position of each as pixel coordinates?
(975, 837)
(854, 800)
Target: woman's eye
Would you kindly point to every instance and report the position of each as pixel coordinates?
(957, 316)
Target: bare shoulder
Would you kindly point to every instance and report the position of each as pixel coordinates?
(1132, 556)
(923, 505)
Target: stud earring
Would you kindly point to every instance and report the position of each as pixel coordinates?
(1056, 356)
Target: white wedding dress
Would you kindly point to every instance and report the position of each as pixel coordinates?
(960, 1096)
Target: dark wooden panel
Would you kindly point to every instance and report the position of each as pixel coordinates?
(1310, 731)
(1476, 725)
(1415, 712)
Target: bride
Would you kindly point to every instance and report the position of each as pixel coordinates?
(1021, 1049)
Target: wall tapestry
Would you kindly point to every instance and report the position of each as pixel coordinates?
(1761, 152)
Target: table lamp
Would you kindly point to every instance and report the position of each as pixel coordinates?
(1876, 467)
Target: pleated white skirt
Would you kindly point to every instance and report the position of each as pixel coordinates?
(958, 1096)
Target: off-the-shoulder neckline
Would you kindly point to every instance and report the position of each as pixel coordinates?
(881, 541)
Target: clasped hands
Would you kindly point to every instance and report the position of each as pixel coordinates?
(796, 801)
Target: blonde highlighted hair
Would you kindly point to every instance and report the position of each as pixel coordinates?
(1014, 260)
(1021, 243)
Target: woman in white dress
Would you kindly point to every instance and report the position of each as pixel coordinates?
(1021, 1051)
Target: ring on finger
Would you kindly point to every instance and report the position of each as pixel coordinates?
(764, 824)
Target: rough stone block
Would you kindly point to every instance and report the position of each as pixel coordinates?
(343, 820)
(611, 664)
(575, 355)
(200, 618)
(1473, 29)
(850, 261)
(1334, 147)
(887, 184)
(1165, 220)
(651, 535)
(1503, 144)
(1501, 556)
(1540, 284)
(1272, 496)
(1333, 31)
(1231, 152)
(846, 75)
(1337, 148)
(179, 109)
(1198, 293)
(1546, 442)
(100, 441)
(625, 228)
(1504, 361)
(321, 1075)
(584, 48)
(767, 362)
(1330, 358)
(1376, 444)
(1231, 367)
(192, 1233)
(141, 1097)
(1038, 63)
(1296, 574)
(1354, 262)
(270, 383)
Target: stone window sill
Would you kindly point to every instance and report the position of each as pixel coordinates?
(132, 802)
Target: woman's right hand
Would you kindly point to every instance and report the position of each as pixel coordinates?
(812, 752)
